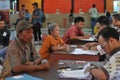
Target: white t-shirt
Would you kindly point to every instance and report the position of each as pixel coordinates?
(93, 12)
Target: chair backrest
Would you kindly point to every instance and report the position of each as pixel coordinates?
(43, 36)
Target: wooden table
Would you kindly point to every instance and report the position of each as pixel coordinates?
(52, 74)
(81, 42)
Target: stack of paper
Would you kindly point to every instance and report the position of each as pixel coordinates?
(90, 39)
(81, 51)
(23, 77)
(76, 74)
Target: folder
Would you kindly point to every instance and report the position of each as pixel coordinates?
(23, 77)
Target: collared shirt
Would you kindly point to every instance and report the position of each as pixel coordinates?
(18, 53)
(37, 12)
(22, 12)
(113, 65)
(4, 37)
(13, 35)
(72, 31)
(48, 43)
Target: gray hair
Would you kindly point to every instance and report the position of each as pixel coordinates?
(51, 27)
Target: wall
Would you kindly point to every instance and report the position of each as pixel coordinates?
(85, 5)
(64, 6)
(109, 5)
(50, 6)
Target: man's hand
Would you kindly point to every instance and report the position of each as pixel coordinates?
(29, 63)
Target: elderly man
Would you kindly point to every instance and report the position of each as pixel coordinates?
(21, 55)
(109, 41)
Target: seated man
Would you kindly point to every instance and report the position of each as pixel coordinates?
(21, 55)
(52, 42)
(102, 22)
(4, 38)
(75, 31)
(108, 38)
(116, 22)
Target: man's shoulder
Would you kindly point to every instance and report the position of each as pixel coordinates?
(12, 48)
(6, 30)
(12, 44)
(72, 27)
(48, 37)
(118, 52)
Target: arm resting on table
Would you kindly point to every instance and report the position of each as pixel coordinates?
(29, 68)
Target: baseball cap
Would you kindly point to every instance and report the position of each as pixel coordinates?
(23, 25)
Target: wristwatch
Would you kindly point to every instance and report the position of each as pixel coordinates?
(92, 67)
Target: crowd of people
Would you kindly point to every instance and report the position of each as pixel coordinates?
(20, 55)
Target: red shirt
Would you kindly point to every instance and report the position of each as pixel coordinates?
(72, 31)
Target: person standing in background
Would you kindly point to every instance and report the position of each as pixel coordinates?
(37, 21)
(71, 18)
(22, 11)
(93, 15)
(27, 15)
(109, 16)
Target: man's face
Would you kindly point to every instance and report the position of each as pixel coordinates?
(80, 25)
(34, 6)
(106, 45)
(2, 24)
(100, 26)
(23, 7)
(26, 35)
(115, 22)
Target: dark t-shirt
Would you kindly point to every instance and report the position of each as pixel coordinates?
(4, 37)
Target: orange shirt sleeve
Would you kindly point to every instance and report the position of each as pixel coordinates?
(44, 51)
(61, 41)
(47, 44)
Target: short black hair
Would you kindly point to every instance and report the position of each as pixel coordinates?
(103, 20)
(108, 32)
(35, 3)
(93, 5)
(23, 5)
(79, 19)
(116, 16)
(108, 14)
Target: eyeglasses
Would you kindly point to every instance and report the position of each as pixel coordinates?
(103, 46)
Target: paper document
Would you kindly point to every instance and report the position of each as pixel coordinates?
(76, 74)
(81, 51)
(90, 39)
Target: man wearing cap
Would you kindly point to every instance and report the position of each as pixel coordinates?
(37, 21)
(21, 55)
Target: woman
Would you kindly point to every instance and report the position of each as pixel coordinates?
(52, 42)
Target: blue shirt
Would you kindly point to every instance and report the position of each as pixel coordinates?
(39, 13)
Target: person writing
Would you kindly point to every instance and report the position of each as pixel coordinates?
(75, 31)
(108, 38)
(21, 55)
